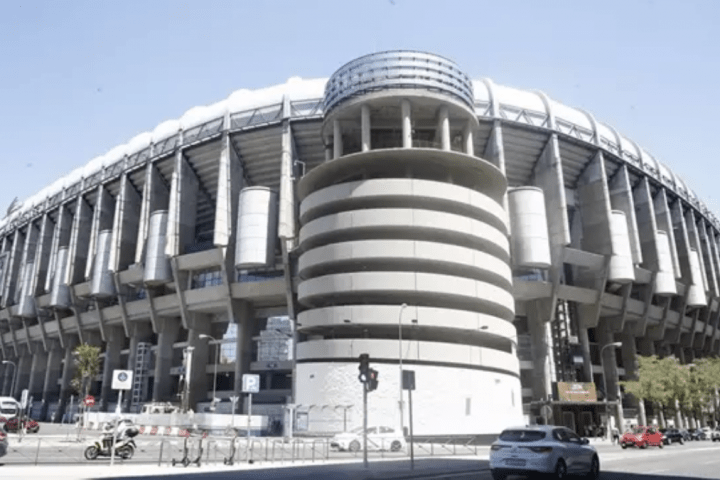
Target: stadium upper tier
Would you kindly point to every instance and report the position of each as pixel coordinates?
(528, 117)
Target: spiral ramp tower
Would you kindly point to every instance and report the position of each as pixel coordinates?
(405, 253)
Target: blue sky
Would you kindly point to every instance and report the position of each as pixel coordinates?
(80, 77)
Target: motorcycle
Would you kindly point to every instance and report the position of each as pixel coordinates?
(124, 444)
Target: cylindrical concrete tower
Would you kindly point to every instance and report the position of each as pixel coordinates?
(405, 255)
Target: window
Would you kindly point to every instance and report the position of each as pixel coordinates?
(522, 435)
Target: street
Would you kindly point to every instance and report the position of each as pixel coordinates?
(57, 448)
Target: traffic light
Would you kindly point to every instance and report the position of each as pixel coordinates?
(372, 382)
(364, 367)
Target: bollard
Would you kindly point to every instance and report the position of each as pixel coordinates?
(37, 452)
(162, 444)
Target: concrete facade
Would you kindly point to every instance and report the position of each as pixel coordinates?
(390, 183)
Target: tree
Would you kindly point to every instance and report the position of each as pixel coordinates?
(650, 385)
(87, 367)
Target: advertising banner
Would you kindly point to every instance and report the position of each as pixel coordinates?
(576, 392)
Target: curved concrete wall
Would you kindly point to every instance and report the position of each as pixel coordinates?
(530, 239)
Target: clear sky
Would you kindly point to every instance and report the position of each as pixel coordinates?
(80, 77)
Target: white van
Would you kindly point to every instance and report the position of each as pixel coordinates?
(9, 407)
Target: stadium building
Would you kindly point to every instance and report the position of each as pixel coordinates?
(497, 242)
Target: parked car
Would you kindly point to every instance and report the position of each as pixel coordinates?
(3, 444)
(642, 437)
(542, 449)
(378, 438)
(698, 434)
(673, 435)
(14, 425)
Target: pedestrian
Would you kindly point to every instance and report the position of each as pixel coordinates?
(615, 435)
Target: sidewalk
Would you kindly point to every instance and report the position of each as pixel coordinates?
(346, 470)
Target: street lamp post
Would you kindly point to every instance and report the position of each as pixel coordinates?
(400, 398)
(602, 366)
(12, 386)
(217, 360)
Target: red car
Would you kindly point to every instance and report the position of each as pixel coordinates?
(642, 437)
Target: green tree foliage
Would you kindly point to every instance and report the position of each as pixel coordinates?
(87, 367)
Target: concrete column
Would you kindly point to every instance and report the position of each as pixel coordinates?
(594, 198)
(286, 200)
(79, 243)
(183, 207)
(468, 145)
(125, 226)
(621, 198)
(42, 254)
(605, 336)
(51, 389)
(102, 220)
(647, 347)
(8, 373)
(37, 372)
(68, 370)
(199, 378)
(23, 375)
(541, 352)
(61, 238)
(167, 336)
(337, 139)
(140, 332)
(444, 128)
(406, 123)
(679, 423)
(155, 196)
(587, 358)
(664, 222)
(365, 128)
(629, 360)
(12, 268)
(244, 317)
(113, 346)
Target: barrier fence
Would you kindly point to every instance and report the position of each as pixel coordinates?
(173, 448)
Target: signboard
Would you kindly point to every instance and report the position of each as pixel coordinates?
(122, 379)
(408, 379)
(89, 401)
(576, 392)
(250, 383)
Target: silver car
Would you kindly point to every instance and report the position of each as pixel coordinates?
(542, 449)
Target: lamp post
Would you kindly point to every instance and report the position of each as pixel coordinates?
(602, 366)
(12, 386)
(217, 360)
(400, 398)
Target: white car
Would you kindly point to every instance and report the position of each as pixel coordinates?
(378, 438)
(715, 435)
(542, 449)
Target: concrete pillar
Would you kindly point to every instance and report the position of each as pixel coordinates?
(664, 222)
(365, 128)
(155, 196)
(337, 139)
(678, 416)
(113, 346)
(68, 370)
(468, 145)
(12, 267)
(102, 219)
(541, 352)
(406, 123)
(23, 375)
(244, 317)
(167, 336)
(199, 379)
(140, 332)
(444, 128)
(647, 347)
(125, 226)
(37, 372)
(183, 207)
(629, 360)
(621, 198)
(8, 373)
(51, 389)
(79, 243)
(42, 254)
(605, 337)
(585, 349)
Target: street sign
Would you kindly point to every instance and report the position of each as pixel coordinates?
(24, 398)
(250, 383)
(122, 379)
(89, 401)
(408, 379)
